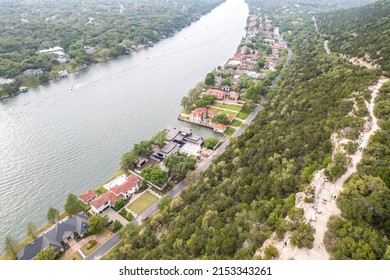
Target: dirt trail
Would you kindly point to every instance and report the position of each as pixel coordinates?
(325, 192)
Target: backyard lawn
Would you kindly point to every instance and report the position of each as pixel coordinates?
(236, 123)
(142, 203)
(224, 111)
(243, 114)
(230, 131)
(228, 106)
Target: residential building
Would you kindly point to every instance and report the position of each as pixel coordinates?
(30, 72)
(104, 201)
(88, 196)
(226, 88)
(219, 94)
(55, 50)
(220, 128)
(198, 115)
(234, 95)
(128, 188)
(211, 113)
(167, 150)
(56, 237)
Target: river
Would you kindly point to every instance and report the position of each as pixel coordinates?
(55, 141)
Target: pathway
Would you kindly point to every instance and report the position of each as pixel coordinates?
(324, 206)
(121, 7)
(326, 46)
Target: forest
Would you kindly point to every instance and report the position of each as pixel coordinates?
(88, 31)
(228, 211)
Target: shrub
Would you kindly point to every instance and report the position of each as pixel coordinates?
(116, 226)
(91, 243)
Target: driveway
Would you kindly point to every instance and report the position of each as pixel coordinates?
(113, 215)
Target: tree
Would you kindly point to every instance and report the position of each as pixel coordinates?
(201, 103)
(261, 63)
(366, 199)
(179, 165)
(159, 138)
(116, 225)
(73, 205)
(220, 118)
(31, 229)
(303, 236)
(10, 245)
(155, 175)
(97, 223)
(143, 148)
(52, 214)
(164, 202)
(119, 204)
(211, 142)
(209, 80)
(46, 254)
(129, 160)
(338, 166)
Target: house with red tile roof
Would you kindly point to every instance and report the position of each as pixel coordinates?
(130, 186)
(221, 128)
(238, 56)
(198, 115)
(87, 196)
(104, 201)
(230, 118)
(211, 113)
(219, 94)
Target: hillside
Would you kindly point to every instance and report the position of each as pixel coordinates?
(360, 31)
(231, 209)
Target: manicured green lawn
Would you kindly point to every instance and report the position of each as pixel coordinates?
(228, 106)
(224, 111)
(236, 123)
(230, 131)
(142, 203)
(243, 114)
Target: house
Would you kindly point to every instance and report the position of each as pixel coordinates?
(55, 50)
(104, 201)
(198, 115)
(252, 56)
(57, 236)
(269, 41)
(35, 72)
(63, 74)
(226, 88)
(234, 95)
(168, 149)
(219, 94)
(128, 188)
(238, 56)
(212, 113)
(218, 81)
(87, 196)
(220, 128)
(230, 118)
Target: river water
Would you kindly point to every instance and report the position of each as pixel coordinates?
(55, 141)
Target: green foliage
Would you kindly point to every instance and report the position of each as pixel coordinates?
(31, 230)
(143, 148)
(159, 138)
(210, 142)
(10, 246)
(303, 236)
(351, 147)
(348, 241)
(366, 199)
(129, 160)
(155, 175)
(97, 223)
(91, 243)
(179, 165)
(220, 118)
(164, 202)
(119, 204)
(116, 225)
(270, 252)
(73, 205)
(338, 166)
(209, 80)
(129, 216)
(46, 254)
(52, 214)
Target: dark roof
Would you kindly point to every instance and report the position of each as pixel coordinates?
(54, 236)
(168, 148)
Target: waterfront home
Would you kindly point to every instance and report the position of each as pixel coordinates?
(220, 128)
(165, 151)
(218, 81)
(104, 201)
(198, 115)
(211, 113)
(56, 50)
(219, 94)
(87, 196)
(35, 72)
(128, 188)
(238, 56)
(56, 237)
(225, 88)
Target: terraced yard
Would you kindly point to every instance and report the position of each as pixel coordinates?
(228, 106)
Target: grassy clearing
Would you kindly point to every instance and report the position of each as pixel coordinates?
(224, 111)
(243, 114)
(230, 131)
(228, 106)
(142, 203)
(236, 123)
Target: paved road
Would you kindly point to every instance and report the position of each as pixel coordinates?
(104, 248)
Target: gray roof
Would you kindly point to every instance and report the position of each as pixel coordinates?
(53, 237)
(168, 148)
